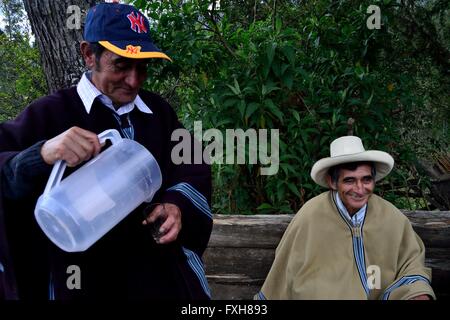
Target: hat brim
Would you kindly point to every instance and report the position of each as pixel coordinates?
(137, 50)
(383, 163)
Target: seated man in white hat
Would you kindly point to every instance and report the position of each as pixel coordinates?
(348, 243)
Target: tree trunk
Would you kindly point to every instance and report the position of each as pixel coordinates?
(58, 28)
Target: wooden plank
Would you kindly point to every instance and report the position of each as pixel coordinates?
(220, 291)
(433, 227)
(258, 231)
(252, 262)
(255, 263)
(265, 231)
(437, 253)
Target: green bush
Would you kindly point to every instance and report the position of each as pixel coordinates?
(305, 69)
(21, 75)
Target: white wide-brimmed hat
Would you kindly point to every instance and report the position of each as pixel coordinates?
(350, 149)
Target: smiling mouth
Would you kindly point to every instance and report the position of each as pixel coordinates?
(358, 198)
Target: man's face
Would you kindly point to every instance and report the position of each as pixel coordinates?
(354, 187)
(119, 78)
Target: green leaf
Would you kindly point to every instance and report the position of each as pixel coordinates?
(293, 188)
(249, 90)
(296, 115)
(241, 107)
(305, 75)
(273, 109)
(270, 51)
(354, 102)
(264, 206)
(230, 102)
(266, 89)
(308, 186)
(236, 89)
(278, 25)
(343, 94)
(284, 67)
(281, 193)
(359, 71)
(317, 42)
(288, 80)
(284, 168)
(369, 101)
(223, 122)
(289, 53)
(251, 108)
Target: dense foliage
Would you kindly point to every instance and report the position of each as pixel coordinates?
(306, 68)
(21, 75)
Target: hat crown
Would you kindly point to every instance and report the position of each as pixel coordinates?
(114, 21)
(350, 149)
(345, 146)
(122, 29)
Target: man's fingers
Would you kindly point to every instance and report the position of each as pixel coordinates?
(87, 140)
(155, 214)
(84, 148)
(75, 151)
(73, 146)
(171, 227)
(165, 222)
(170, 236)
(90, 140)
(168, 225)
(72, 152)
(71, 158)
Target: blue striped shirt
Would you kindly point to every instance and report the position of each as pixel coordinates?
(357, 218)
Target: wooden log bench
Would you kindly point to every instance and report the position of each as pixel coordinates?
(242, 248)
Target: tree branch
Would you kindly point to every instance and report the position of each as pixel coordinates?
(217, 32)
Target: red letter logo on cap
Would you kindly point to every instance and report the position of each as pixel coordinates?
(137, 23)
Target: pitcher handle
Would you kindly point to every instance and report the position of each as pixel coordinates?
(55, 175)
(111, 134)
(60, 165)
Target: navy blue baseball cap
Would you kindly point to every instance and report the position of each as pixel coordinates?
(122, 29)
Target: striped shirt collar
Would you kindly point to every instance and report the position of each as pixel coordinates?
(88, 92)
(357, 218)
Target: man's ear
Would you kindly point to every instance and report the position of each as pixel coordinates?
(88, 54)
(330, 183)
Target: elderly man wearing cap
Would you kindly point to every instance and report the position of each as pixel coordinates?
(127, 262)
(348, 243)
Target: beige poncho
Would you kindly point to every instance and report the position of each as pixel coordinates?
(322, 256)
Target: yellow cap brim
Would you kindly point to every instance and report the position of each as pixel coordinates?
(133, 55)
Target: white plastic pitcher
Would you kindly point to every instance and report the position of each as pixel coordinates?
(76, 212)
